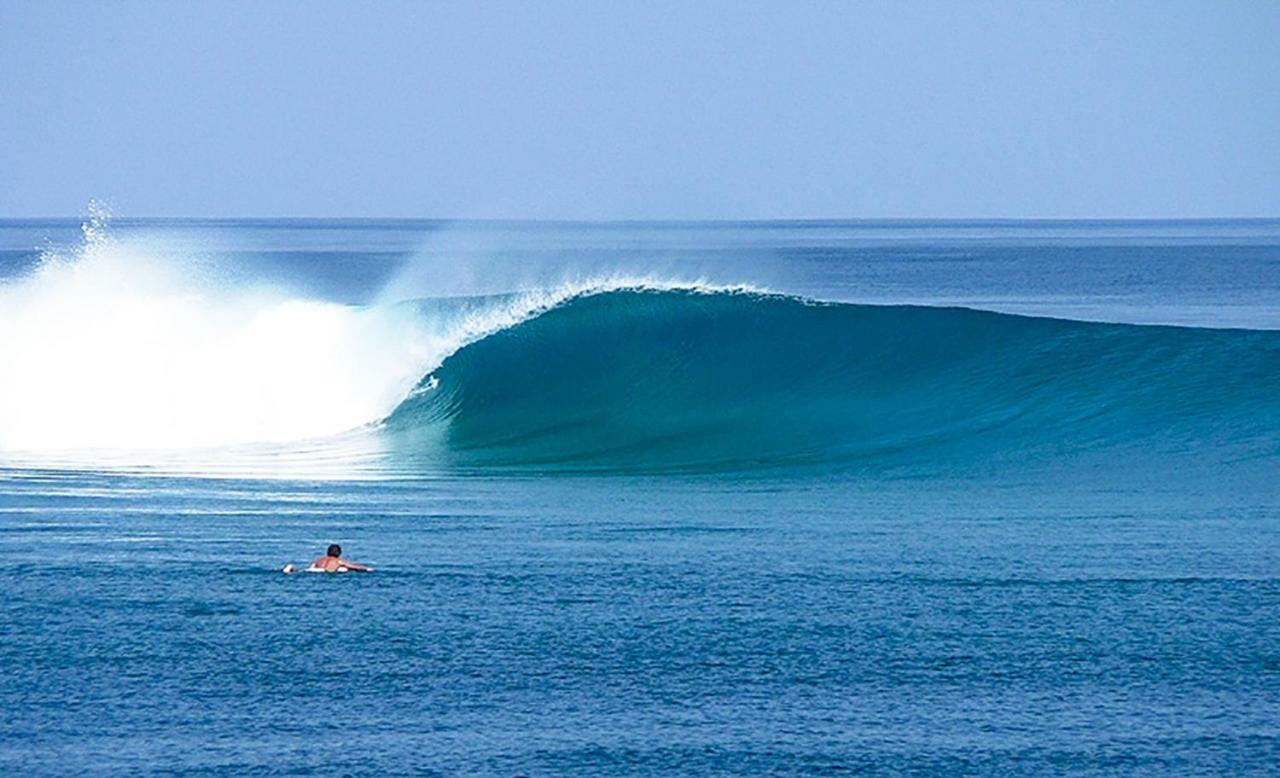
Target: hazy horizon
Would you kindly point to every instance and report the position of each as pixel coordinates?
(116, 218)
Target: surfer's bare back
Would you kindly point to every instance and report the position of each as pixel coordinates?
(332, 562)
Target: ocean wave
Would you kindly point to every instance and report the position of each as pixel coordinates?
(668, 379)
(113, 353)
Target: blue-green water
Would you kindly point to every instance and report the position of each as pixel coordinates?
(643, 499)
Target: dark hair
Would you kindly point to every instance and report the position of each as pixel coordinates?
(335, 550)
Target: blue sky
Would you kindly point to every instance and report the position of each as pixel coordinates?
(602, 110)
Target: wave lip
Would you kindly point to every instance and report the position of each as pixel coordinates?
(669, 379)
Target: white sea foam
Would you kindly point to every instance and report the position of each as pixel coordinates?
(114, 347)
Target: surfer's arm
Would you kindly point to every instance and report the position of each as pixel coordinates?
(355, 566)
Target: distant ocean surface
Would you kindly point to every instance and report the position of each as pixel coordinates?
(893, 497)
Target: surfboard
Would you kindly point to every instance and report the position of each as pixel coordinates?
(289, 569)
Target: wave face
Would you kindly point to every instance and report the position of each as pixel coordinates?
(680, 380)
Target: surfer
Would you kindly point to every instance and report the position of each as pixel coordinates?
(332, 562)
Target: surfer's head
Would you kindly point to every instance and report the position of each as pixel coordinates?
(334, 550)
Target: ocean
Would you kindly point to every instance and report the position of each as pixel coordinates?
(874, 497)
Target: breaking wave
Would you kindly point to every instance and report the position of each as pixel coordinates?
(110, 349)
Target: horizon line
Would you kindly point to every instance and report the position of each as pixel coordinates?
(811, 220)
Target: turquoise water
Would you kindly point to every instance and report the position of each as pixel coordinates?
(991, 498)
